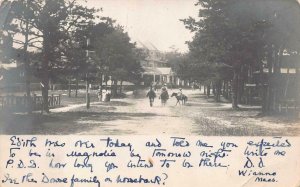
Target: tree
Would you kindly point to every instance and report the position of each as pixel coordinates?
(242, 34)
(47, 25)
(117, 57)
(19, 28)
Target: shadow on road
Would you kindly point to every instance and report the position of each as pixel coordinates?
(59, 123)
(115, 103)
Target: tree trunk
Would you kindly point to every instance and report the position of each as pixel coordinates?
(121, 85)
(45, 76)
(115, 86)
(87, 94)
(45, 88)
(218, 90)
(76, 87)
(297, 87)
(287, 83)
(27, 68)
(277, 67)
(101, 86)
(106, 85)
(235, 88)
(249, 89)
(223, 89)
(270, 80)
(208, 90)
(69, 86)
(214, 89)
(240, 88)
(226, 90)
(263, 89)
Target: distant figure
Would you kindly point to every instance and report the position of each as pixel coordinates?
(155, 85)
(104, 92)
(193, 86)
(99, 94)
(179, 93)
(164, 87)
(107, 97)
(181, 98)
(151, 95)
(135, 93)
(164, 96)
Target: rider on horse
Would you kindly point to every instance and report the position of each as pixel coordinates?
(180, 94)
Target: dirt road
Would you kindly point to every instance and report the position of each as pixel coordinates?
(200, 116)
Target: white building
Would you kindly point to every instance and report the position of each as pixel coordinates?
(157, 70)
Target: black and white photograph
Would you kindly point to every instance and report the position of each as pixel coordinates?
(150, 93)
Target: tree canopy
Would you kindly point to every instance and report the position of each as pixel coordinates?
(233, 37)
(50, 39)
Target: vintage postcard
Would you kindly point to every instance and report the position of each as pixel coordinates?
(176, 93)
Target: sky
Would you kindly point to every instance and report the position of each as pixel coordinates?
(155, 21)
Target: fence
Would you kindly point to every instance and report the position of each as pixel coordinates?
(19, 103)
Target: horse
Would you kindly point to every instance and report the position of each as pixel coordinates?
(182, 98)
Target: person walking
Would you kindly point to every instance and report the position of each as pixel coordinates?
(164, 96)
(151, 95)
(164, 87)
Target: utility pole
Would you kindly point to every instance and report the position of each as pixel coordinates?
(87, 98)
(87, 47)
(26, 64)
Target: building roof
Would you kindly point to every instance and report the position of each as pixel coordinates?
(147, 45)
(165, 71)
(158, 71)
(8, 66)
(148, 59)
(150, 70)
